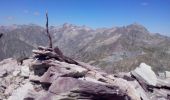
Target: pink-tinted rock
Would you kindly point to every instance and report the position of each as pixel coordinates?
(8, 66)
(93, 90)
(63, 84)
(49, 76)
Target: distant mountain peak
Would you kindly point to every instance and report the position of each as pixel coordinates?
(65, 25)
(137, 26)
(75, 27)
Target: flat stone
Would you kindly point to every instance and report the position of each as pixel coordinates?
(63, 84)
(9, 89)
(16, 73)
(34, 78)
(20, 93)
(167, 74)
(25, 71)
(91, 89)
(50, 75)
(144, 72)
(8, 66)
(3, 73)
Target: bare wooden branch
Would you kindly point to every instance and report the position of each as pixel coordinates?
(48, 34)
(1, 34)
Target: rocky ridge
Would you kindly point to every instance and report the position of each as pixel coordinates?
(115, 49)
(50, 75)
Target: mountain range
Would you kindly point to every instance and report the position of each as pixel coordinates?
(113, 49)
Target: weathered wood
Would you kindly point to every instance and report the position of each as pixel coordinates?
(1, 34)
(48, 34)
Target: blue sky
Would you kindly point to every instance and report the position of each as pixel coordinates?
(153, 14)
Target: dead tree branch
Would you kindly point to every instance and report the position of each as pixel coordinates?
(1, 34)
(48, 34)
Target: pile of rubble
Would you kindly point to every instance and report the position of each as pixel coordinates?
(49, 75)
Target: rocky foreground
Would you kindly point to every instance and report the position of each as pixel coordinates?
(49, 75)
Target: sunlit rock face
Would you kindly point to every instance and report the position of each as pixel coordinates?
(144, 71)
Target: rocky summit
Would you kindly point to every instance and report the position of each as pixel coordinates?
(50, 75)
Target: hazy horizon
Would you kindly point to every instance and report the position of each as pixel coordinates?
(153, 14)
